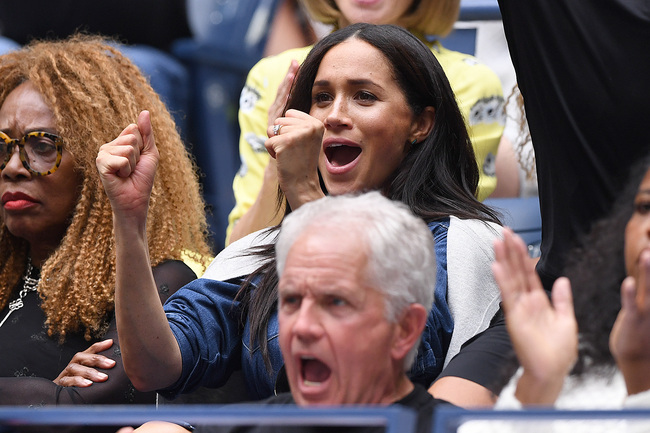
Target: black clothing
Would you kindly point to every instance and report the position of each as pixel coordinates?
(583, 68)
(419, 400)
(487, 359)
(30, 360)
(150, 22)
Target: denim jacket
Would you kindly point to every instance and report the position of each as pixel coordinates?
(205, 320)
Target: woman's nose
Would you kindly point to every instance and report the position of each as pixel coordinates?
(14, 167)
(338, 115)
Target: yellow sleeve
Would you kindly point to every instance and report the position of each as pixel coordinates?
(256, 97)
(480, 99)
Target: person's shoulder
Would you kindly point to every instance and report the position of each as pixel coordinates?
(474, 228)
(265, 77)
(237, 259)
(421, 401)
(459, 60)
(418, 398)
(294, 53)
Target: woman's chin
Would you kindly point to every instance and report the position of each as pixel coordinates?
(340, 188)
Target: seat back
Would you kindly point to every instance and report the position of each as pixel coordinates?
(522, 215)
(463, 37)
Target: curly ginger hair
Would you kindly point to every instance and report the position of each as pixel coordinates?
(94, 92)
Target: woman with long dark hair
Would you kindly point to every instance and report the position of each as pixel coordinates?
(371, 109)
(476, 87)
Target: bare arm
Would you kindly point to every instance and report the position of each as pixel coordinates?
(462, 392)
(127, 166)
(507, 170)
(479, 371)
(287, 30)
(85, 368)
(265, 211)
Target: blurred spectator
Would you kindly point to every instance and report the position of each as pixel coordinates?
(147, 29)
(156, 23)
(230, 36)
(585, 86)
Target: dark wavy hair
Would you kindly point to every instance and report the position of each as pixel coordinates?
(596, 269)
(437, 178)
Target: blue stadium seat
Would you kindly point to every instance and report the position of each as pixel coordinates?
(479, 10)
(523, 217)
(464, 39)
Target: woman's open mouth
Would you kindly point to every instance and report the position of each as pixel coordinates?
(341, 157)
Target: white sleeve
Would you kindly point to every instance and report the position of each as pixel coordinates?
(472, 293)
(235, 260)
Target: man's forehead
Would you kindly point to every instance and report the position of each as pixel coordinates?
(317, 242)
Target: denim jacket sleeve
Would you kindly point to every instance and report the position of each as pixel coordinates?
(440, 325)
(205, 320)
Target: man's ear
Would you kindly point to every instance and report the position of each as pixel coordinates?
(410, 327)
(423, 125)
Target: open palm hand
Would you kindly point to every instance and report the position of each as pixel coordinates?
(544, 335)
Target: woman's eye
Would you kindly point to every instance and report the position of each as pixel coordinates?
(321, 97)
(41, 146)
(642, 207)
(366, 96)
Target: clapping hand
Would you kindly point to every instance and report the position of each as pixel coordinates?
(544, 335)
(629, 340)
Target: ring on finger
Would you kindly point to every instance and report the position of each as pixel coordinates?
(276, 129)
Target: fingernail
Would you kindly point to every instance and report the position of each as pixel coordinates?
(87, 382)
(102, 375)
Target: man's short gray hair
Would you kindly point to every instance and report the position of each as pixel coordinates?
(399, 246)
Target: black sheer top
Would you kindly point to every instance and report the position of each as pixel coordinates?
(30, 360)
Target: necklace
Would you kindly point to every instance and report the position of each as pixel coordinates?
(29, 285)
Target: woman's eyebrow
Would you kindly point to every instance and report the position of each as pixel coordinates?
(352, 81)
